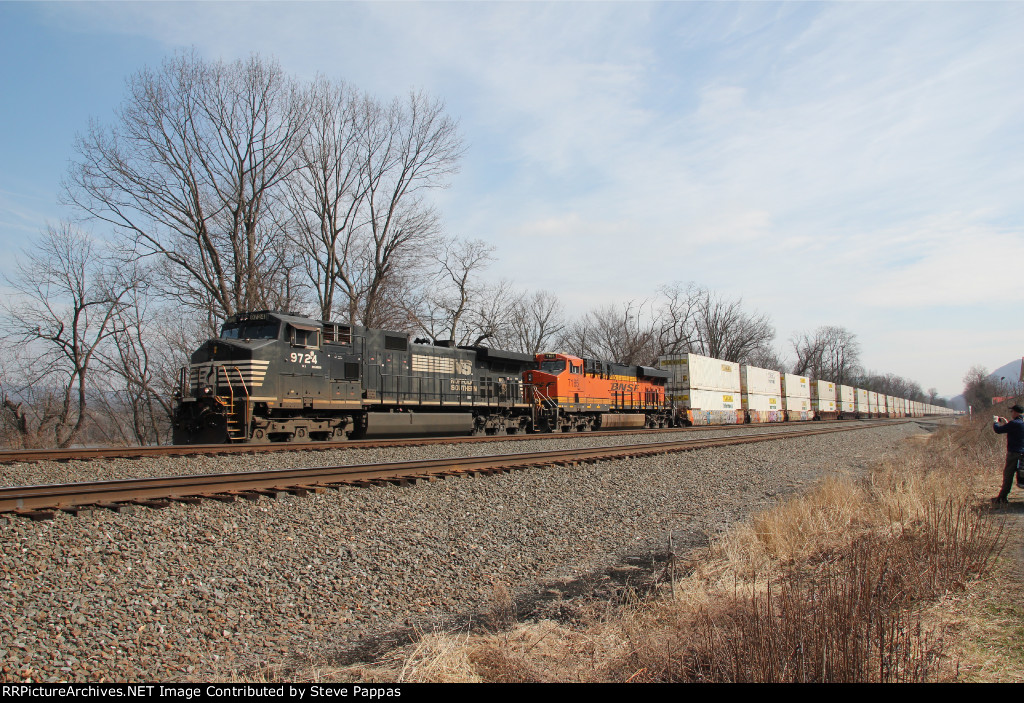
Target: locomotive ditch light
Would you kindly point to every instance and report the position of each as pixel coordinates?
(207, 390)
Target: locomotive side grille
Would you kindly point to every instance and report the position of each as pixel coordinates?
(424, 363)
(433, 364)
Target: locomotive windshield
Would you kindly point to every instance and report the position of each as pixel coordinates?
(250, 330)
(553, 367)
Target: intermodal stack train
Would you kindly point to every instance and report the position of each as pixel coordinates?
(277, 377)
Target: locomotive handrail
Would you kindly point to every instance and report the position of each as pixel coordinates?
(231, 396)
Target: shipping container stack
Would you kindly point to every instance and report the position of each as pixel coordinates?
(847, 402)
(702, 390)
(823, 400)
(863, 406)
(873, 403)
(796, 397)
(762, 394)
(890, 406)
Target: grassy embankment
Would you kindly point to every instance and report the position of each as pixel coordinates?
(899, 576)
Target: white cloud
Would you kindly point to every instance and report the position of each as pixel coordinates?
(831, 163)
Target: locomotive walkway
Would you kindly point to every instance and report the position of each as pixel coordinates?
(42, 502)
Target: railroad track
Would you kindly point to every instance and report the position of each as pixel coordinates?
(15, 456)
(42, 502)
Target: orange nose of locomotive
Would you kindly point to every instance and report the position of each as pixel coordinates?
(551, 374)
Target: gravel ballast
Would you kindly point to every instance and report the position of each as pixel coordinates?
(51, 472)
(212, 590)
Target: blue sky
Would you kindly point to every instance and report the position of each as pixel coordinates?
(857, 164)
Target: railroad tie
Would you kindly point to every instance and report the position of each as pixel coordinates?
(77, 510)
(154, 504)
(119, 508)
(272, 493)
(35, 515)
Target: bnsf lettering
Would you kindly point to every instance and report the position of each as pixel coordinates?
(626, 387)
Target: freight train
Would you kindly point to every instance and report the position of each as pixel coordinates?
(276, 377)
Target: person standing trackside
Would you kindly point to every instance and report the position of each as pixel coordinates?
(1014, 431)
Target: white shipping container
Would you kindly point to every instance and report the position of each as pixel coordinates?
(823, 390)
(760, 381)
(803, 404)
(890, 404)
(847, 406)
(823, 406)
(794, 386)
(847, 394)
(862, 400)
(708, 400)
(701, 372)
(752, 401)
(873, 401)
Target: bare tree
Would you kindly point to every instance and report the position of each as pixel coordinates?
(693, 319)
(536, 323)
(766, 357)
(327, 190)
(405, 149)
(677, 317)
(491, 319)
(66, 298)
(829, 353)
(140, 371)
(889, 384)
(456, 291)
(190, 175)
(626, 334)
(724, 330)
(979, 388)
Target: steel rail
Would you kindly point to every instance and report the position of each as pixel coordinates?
(13, 456)
(39, 501)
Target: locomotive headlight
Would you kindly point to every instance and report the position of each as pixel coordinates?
(207, 390)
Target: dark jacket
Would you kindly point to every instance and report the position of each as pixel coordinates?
(1014, 431)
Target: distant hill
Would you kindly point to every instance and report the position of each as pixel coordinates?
(1010, 372)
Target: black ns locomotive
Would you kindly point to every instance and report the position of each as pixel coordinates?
(278, 377)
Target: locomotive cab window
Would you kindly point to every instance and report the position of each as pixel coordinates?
(249, 330)
(575, 369)
(305, 336)
(553, 367)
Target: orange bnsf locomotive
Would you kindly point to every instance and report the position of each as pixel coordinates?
(573, 394)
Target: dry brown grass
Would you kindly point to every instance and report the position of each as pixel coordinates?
(838, 584)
